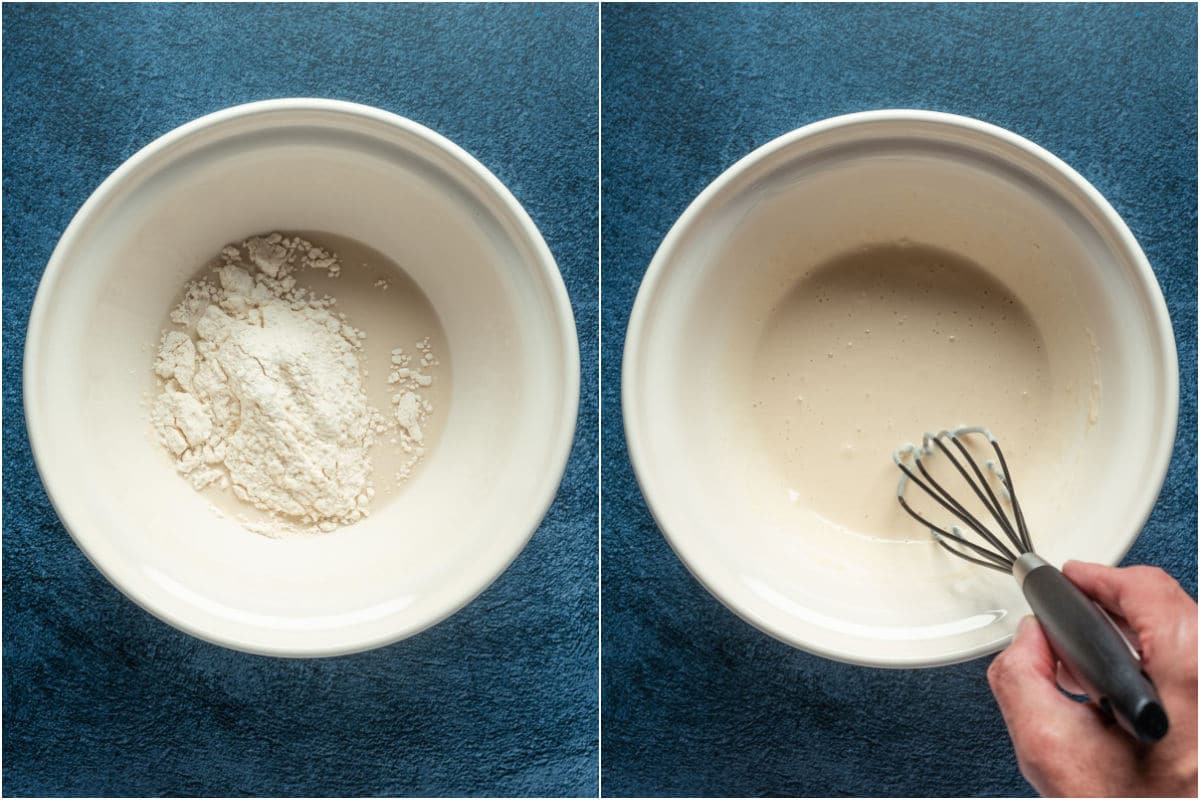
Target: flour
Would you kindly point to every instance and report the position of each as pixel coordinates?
(409, 409)
(264, 391)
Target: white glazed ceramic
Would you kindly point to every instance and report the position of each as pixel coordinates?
(302, 164)
(823, 190)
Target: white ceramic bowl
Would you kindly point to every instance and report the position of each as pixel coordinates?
(302, 164)
(940, 180)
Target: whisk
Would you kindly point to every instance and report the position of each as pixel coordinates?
(1081, 634)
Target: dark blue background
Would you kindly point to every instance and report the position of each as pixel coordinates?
(100, 698)
(695, 701)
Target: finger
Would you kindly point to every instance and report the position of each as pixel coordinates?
(1139, 594)
(1126, 630)
(1038, 716)
(1067, 682)
(1024, 677)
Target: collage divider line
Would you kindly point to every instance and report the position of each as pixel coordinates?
(599, 399)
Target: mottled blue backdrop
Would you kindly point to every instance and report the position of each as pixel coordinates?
(99, 697)
(695, 701)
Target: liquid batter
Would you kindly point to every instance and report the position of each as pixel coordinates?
(876, 347)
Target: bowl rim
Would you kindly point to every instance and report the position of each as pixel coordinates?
(636, 426)
(333, 641)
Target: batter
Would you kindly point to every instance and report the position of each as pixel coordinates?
(876, 347)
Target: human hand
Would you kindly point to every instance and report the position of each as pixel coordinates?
(1069, 749)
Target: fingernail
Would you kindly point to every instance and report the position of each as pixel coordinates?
(1025, 622)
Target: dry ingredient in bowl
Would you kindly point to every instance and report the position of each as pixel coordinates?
(263, 391)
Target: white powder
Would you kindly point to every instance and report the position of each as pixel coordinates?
(409, 409)
(263, 391)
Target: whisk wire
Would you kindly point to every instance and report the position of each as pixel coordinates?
(935, 529)
(999, 565)
(1000, 555)
(1012, 496)
(941, 534)
(994, 507)
(951, 504)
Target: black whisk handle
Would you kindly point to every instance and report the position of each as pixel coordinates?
(1094, 650)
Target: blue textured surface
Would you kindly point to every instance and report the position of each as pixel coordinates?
(99, 697)
(695, 701)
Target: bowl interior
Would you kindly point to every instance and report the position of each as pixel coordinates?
(849, 576)
(454, 231)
